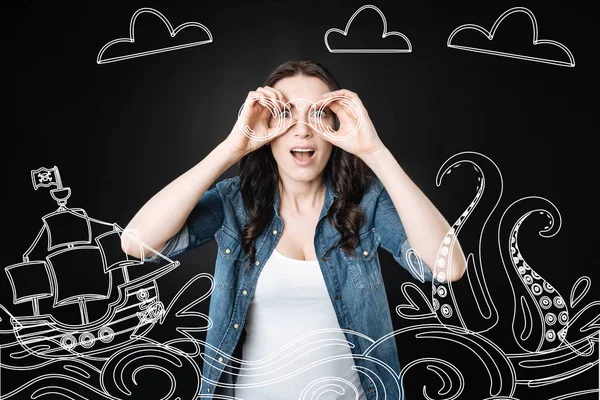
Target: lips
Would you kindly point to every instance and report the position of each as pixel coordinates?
(303, 155)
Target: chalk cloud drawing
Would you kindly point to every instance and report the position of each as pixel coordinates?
(553, 340)
(100, 59)
(384, 35)
(490, 35)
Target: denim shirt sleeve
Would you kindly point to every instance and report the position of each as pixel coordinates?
(394, 239)
(200, 226)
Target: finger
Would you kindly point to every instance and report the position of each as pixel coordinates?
(341, 106)
(268, 93)
(281, 129)
(271, 95)
(251, 110)
(337, 108)
(329, 136)
(325, 104)
(276, 98)
(254, 95)
(254, 98)
(270, 101)
(280, 95)
(282, 123)
(344, 93)
(340, 92)
(317, 104)
(251, 99)
(252, 102)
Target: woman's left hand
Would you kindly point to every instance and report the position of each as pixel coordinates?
(360, 142)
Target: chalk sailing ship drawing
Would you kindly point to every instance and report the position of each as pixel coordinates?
(70, 246)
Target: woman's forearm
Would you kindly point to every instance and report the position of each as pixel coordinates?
(165, 213)
(425, 226)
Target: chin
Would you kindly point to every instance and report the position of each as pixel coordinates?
(302, 174)
(305, 176)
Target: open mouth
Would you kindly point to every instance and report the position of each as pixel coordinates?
(302, 154)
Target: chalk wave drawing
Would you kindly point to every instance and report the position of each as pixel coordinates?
(100, 59)
(552, 345)
(553, 340)
(490, 35)
(384, 35)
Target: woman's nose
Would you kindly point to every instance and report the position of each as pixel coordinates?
(302, 129)
(301, 113)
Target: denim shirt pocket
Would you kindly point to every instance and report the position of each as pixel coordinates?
(230, 255)
(363, 264)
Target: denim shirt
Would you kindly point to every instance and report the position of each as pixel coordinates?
(354, 281)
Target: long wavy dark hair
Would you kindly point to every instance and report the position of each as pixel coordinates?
(259, 176)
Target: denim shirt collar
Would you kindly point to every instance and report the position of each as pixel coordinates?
(330, 195)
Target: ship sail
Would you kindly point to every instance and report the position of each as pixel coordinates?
(78, 275)
(30, 281)
(113, 256)
(71, 263)
(67, 227)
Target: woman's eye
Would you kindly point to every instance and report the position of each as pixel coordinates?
(319, 114)
(284, 114)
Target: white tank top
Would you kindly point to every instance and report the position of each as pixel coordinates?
(291, 332)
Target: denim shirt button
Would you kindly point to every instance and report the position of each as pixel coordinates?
(227, 251)
(370, 388)
(220, 359)
(244, 292)
(236, 326)
(324, 258)
(337, 297)
(275, 232)
(365, 253)
(257, 262)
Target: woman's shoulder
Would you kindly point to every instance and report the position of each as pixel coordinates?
(229, 190)
(373, 188)
(229, 186)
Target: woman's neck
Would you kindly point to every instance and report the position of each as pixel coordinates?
(301, 197)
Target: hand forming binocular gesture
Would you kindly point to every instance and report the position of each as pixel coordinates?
(267, 114)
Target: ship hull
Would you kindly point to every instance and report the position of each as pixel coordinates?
(136, 311)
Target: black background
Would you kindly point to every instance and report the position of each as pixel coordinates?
(119, 132)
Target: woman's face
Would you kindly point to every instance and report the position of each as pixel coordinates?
(301, 154)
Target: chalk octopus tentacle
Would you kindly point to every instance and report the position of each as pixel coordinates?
(444, 301)
(540, 315)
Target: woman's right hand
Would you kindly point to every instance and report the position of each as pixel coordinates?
(259, 121)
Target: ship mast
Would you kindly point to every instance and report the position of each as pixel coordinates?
(46, 177)
(19, 273)
(73, 249)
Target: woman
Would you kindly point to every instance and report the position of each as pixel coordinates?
(307, 216)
